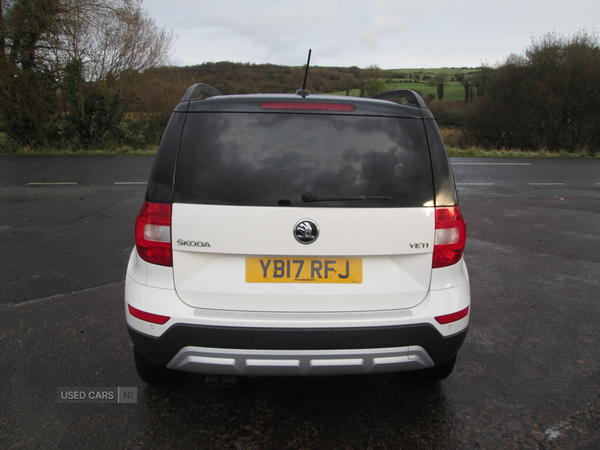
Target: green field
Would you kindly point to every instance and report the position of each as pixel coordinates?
(453, 90)
(449, 70)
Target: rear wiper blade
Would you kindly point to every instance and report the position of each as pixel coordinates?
(308, 197)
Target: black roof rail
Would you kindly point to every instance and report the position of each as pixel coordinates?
(412, 97)
(196, 89)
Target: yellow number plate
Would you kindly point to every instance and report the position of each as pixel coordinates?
(303, 270)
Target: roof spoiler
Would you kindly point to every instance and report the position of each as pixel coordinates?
(412, 97)
(198, 88)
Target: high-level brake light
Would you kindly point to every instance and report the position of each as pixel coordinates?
(153, 234)
(308, 106)
(450, 236)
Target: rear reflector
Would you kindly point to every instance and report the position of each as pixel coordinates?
(450, 236)
(147, 317)
(308, 106)
(449, 318)
(153, 234)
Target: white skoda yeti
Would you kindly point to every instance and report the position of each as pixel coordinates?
(299, 235)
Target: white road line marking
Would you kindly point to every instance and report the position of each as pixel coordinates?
(50, 184)
(474, 184)
(547, 184)
(489, 164)
(131, 182)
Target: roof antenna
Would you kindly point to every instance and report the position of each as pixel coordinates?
(303, 91)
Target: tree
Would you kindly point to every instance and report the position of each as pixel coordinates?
(354, 70)
(108, 36)
(372, 87)
(45, 42)
(27, 82)
(93, 112)
(440, 81)
(468, 89)
(547, 98)
(481, 79)
(372, 82)
(348, 82)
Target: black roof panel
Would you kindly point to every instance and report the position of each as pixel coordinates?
(251, 103)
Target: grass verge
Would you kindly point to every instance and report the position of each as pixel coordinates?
(476, 152)
(56, 152)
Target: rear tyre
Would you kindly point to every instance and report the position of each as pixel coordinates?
(154, 374)
(433, 374)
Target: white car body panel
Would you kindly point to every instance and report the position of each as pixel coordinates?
(395, 246)
(244, 230)
(164, 301)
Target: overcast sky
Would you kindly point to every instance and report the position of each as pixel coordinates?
(389, 33)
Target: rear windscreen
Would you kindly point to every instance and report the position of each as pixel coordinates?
(261, 159)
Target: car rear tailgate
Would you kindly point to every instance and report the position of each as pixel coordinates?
(213, 245)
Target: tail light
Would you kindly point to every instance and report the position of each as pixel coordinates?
(153, 233)
(450, 236)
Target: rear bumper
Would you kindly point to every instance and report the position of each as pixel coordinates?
(224, 342)
(330, 351)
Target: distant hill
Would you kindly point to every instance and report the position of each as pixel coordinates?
(160, 89)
